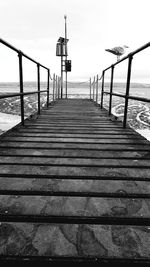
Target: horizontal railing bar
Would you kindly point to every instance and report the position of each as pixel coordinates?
(19, 51)
(74, 194)
(141, 48)
(115, 94)
(9, 45)
(34, 61)
(143, 99)
(134, 221)
(107, 68)
(31, 59)
(21, 94)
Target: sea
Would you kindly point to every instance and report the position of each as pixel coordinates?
(138, 111)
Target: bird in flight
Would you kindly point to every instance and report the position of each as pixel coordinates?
(118, 51)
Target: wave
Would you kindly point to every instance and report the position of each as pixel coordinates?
(138, 117)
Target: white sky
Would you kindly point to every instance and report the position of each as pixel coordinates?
(34, 27)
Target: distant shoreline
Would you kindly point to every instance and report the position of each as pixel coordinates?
(72, 84)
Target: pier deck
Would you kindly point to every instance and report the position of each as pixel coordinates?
(74, 185)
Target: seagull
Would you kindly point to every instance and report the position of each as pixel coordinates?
(118, 51)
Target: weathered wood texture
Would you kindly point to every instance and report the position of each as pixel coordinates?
(75, 184)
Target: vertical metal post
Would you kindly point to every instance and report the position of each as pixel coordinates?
(38, 81)
(94, 88)
(56, 87)
(127, 90)
(59, 87)
(90, 88)
(66, 49)
(111, 89)
(97, 90)
(21, 87)
(61, 73)
(48, 73)
(102, 91)
(53, 87)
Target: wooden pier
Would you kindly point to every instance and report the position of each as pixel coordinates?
(74, 187)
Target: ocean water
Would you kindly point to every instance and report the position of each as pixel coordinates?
(138, 112)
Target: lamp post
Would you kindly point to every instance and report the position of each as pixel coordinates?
(61, 70)
(61, 50)
(65, 17)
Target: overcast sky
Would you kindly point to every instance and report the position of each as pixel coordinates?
(34, 26)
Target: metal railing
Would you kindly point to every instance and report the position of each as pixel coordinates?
(126, 96)
(21, 82)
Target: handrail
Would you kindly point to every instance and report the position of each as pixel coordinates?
(126, 96)
(19, 51)
(143, 99)
(39, 91)
(20, 94)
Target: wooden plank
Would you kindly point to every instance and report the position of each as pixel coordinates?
(75, 161)
(73, 140)
(75, 165)
(72, 153)
(75, 145)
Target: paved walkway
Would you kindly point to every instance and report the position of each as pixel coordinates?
(74, 183)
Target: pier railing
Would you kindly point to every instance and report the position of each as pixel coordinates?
(21, 94)
(95, 95)
(94, 86)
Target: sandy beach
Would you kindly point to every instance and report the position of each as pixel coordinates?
(145, 133)
(7, 121)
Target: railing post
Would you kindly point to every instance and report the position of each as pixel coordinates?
(58, 87)
(53, 87)
(48, 73)
(21, 87)
(127, 90)
(97, 90)
(56, 95)
(90, 88)
(111, 89)
(102, 91)
(38, 80)
(94, 88)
